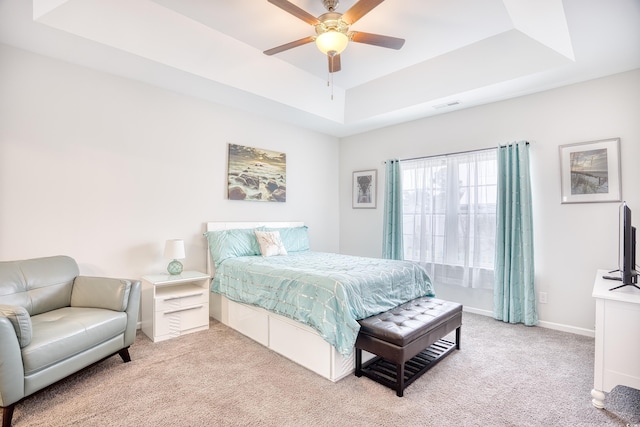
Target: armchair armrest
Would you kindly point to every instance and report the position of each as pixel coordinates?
(100, 292)
(11, 367)
(20, 320)
(133, 312)
(112, 294)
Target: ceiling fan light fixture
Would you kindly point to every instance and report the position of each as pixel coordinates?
(332, 29)
(332, 41)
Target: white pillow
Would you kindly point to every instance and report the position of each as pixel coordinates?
(270, 243)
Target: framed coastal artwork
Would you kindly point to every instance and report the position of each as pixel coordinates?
(256, 174)
(364, 189)
(590, 171)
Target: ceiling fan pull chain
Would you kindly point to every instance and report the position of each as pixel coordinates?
(331, 76)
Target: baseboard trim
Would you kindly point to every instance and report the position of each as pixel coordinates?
(543, 324)
(566, 328)
(477, 311)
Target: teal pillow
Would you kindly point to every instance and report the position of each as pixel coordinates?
(295, 239)
(232, 243)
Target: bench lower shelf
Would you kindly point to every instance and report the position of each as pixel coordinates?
(385, 372)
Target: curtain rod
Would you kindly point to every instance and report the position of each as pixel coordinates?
(457, 152)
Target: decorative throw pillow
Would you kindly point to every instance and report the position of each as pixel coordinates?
(295, 239)
(270, 243)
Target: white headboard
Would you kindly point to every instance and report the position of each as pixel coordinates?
(217, 226)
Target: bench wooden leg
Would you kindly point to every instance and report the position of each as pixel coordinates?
(358, 363)
(400, 379)
(458, 335)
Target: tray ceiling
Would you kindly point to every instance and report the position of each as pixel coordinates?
(458, 53)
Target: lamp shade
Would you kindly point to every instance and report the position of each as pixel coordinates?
(332, 41)
(174, 249)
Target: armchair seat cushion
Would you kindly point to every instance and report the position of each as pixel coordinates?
(65, 332)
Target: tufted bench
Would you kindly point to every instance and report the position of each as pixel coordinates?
(408, 340)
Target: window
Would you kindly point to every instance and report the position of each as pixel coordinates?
(449, 216)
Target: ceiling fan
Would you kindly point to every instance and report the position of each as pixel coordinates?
(332, 30)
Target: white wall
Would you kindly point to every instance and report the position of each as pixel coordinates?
(105, 169)
(571, 240)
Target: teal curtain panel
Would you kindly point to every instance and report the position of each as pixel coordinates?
(514, 292)
(392, 245)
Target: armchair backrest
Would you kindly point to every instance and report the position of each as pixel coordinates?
(40, 284)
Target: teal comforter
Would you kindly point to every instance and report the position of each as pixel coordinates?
(326, 291)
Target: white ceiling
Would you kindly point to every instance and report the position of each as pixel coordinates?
(462, 52)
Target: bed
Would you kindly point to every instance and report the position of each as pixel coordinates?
(304, 305)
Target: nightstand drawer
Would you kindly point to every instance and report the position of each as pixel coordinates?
(173, 298)
(174, 322)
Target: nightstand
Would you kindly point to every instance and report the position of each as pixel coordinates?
(174, 305)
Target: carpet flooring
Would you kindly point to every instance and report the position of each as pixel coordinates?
(504, 375)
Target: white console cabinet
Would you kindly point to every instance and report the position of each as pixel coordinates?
(174, 305)
(617, 357)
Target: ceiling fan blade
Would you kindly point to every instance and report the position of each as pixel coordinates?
(288, 46)
(377, 40)
(334, 63)
(295, 11)
(359, 9)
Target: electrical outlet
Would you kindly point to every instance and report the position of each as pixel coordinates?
(542, 297)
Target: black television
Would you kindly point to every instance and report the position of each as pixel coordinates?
(627, 254)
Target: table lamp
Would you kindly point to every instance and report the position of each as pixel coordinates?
(174, 249)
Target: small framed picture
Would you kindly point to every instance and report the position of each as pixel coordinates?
(590, 172)
(364, 189)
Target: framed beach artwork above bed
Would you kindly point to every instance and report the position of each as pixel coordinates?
(256, 174)
(590, 172)
(364, 189)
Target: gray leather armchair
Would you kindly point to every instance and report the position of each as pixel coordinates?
(54, 322)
